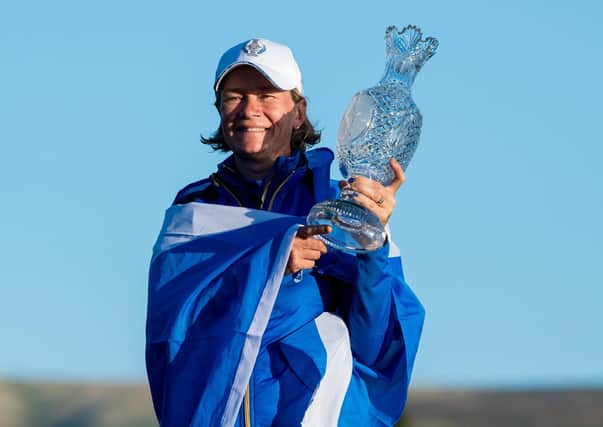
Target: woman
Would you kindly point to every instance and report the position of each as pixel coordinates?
(251, 320)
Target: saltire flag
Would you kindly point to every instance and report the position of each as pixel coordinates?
(214, 277)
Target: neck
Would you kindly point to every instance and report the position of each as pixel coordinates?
(401, 72)
(253, 168)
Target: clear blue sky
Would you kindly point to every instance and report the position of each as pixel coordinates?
(499, 223)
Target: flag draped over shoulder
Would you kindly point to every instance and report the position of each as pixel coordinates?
(214, 277)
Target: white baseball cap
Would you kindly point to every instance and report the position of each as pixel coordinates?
(274, 60)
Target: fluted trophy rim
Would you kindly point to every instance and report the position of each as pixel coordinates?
(428, 44)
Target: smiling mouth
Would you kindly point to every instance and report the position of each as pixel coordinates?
(246, 129)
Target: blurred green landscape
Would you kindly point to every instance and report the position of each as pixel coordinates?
(24, 404)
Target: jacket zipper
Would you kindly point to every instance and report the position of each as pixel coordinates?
(266, 191)
(247, 408)
(279, 189)
(219, 183)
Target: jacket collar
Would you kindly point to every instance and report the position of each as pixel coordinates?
(227, 170)
(317, 160)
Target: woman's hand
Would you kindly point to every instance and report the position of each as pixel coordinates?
(379, 199)
(306, 249)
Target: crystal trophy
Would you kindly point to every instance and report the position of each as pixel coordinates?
(379, 123)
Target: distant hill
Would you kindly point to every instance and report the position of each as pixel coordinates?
(75, 405)
(505, 408)
(113, 405)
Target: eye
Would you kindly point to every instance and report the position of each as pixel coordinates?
(267, 96)
(231, 98)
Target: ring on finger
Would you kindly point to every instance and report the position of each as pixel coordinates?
(380, 201)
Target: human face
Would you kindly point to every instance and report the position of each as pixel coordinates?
(257, 119)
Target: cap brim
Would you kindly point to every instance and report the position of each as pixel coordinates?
(277, 79)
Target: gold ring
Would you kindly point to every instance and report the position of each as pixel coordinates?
(380, 201)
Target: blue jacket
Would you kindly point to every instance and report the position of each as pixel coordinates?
(382, 319)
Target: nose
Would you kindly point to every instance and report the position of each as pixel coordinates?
(250, 107)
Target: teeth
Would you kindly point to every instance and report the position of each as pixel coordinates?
(251, 129)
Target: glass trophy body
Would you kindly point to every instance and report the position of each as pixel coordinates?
(379, 123)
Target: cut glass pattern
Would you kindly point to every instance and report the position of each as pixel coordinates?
(379, 123)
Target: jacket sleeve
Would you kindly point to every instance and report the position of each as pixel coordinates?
(385, 320)
(385, 317)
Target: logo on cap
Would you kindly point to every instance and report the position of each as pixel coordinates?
(254, 47)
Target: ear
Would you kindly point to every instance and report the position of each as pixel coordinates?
(300, 114)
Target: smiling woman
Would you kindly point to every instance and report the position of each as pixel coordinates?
(250, 320)
(257, 120)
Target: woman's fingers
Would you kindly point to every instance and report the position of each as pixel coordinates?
(312, 230)
(306, 250)
(399, 177)
(380, 199)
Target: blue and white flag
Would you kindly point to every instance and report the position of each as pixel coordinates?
(215, 275)
(228, 264)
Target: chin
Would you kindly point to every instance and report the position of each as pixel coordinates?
(250, 145)
(251, 149)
